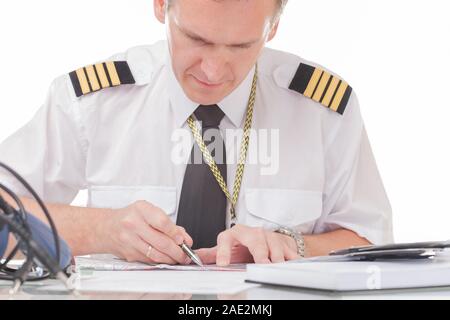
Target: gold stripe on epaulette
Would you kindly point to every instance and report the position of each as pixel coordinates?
(321, 87)
(83, 81)
(339, 95)
(313, 83)
(92, 78)
(330, 92)
(113, 73)
(102, 75)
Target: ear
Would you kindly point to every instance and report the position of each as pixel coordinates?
(274, 30)
(159, 6)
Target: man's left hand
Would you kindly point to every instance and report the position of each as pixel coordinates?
(243, 244)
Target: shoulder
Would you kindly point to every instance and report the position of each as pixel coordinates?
(306, 80)
(135, 67)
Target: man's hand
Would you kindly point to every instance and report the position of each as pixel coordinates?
(142, 232)
(243, 244)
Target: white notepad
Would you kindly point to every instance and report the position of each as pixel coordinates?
(107, 262)
(354, 276)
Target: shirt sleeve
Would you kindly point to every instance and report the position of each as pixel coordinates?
(354, 196)
(48, 150)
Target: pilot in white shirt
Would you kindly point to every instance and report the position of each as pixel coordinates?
(120, 129)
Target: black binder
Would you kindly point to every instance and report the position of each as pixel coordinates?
(402, 251)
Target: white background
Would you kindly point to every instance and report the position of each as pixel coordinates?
(395, 53)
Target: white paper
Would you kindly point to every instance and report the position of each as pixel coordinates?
(112, 263)
(106, 273)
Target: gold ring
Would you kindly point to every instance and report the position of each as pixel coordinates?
(149, 250)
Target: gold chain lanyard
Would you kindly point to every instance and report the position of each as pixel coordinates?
(242, 156)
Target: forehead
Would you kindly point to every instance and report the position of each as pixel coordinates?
(224, 20)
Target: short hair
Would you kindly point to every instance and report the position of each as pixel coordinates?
(281, 6)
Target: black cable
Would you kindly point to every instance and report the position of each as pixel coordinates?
(10, 257)
(44, 274)
(22, 273)
(16, 199)
(17, 224)
(4, 206)
(41, 204)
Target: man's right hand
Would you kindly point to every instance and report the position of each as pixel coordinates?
(142, 232)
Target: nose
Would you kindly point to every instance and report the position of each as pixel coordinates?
(214, 67)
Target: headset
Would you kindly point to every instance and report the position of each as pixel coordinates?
(46, 254)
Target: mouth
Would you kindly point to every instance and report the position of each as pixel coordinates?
(207, 85)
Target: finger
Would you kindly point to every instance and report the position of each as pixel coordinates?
(255, 240)
(260, 253)
(276, 248)
(225, 243)
(208, 256)
(290, 254)
(240, 254)
(162, 243)
(134, 255)
(159, 220)
(152, 254)
(187, 238)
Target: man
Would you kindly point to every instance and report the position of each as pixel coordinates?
(116, 128)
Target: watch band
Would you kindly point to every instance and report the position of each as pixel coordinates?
(297, 236)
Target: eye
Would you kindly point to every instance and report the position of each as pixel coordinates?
(242, 46)
(197, 40)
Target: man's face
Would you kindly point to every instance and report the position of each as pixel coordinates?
(214, 44)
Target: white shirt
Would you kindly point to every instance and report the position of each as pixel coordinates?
(120, 143)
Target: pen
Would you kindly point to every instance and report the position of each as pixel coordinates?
(191, 254)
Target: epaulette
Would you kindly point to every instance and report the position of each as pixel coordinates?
(322, 87)
(100, 76)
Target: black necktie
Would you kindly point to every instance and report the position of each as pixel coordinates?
(202, 207)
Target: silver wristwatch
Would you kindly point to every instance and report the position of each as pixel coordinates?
(297, 236)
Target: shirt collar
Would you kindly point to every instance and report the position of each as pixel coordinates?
(234, 105)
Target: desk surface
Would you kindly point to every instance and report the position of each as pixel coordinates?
(52, 289)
